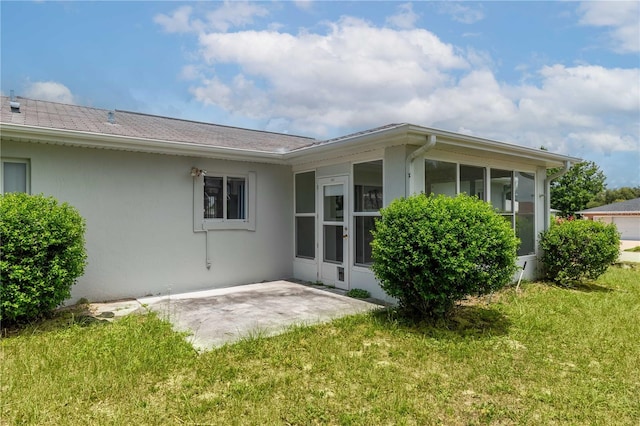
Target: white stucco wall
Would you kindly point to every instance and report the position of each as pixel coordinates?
(139, 213)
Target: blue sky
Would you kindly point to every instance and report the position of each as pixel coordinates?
(563, 75)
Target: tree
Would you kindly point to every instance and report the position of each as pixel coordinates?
(572, 191)
(614, 195)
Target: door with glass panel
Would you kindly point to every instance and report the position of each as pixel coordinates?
(334, 232)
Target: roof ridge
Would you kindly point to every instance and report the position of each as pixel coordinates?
(212, 124)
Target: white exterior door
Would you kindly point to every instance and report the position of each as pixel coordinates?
(333, 231)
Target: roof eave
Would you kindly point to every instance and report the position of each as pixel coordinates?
(410, 134)
(20, 132)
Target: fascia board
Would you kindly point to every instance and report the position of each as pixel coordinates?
(123, 143)
(408, 134)
(487, 145)
(400, 135)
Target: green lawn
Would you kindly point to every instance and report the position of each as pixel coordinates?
(545, 356)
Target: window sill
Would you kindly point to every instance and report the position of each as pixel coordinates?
(221, 225)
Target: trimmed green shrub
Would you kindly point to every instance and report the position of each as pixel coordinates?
(430, 252)
(358, 293)
(42, 254)
(573, 250)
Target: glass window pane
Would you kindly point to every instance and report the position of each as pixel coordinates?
(333, 202)
(236, 192)
(364, 226)
(472, 181)
(333, 243)
(440, 178)
(14, 177)
(368, 186)
(501, 190)
(525, 212)
(213, 196)
(305, 192)
(305, 237)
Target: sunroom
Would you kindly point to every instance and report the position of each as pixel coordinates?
(338, 197)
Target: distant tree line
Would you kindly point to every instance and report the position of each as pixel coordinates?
(583, 187)
(609, 196)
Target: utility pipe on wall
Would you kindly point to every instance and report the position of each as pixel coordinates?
(430, 143)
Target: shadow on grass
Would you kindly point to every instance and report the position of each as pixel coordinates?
(464, 321)
(590, 288)
(77, 315)
(585, 287)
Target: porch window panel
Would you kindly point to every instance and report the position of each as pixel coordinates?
(363, 226)
(305, 237)
(305, 192)
(502, 190)
(472, 181)
(524, 205)
(305, 215)
(367, 179)
(440, 177)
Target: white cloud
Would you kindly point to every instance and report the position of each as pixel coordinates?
(322, 81)
(355, 75)
(178, 22)
(49, 91)
(405, 18)
(234, 14)
(229, 15)
(462, 13)
(303, 4)
(621, 17)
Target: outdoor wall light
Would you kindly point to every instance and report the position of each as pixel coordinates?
(197, 172)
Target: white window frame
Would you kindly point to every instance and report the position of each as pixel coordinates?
(310, 214)
(248, 223)
(25, 161)
(355, 214)
(487, 186)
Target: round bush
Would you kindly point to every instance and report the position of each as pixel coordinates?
(42, 254)
(573, 250)
(430, 252)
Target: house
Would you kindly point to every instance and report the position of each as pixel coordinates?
(624, 214)
(175, 205)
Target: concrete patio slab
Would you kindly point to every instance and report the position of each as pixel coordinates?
(216, 317)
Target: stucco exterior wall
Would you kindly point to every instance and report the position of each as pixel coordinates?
(140, 235)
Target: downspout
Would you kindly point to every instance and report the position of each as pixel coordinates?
(431, 142)
(547, 192)
(196, 173)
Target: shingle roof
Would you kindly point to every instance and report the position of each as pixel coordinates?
(131, 124)
(629, 206)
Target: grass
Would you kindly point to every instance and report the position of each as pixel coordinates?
(545, 356)
(634, 249)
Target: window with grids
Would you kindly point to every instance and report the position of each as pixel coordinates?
(368, 190)
(512, 193)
